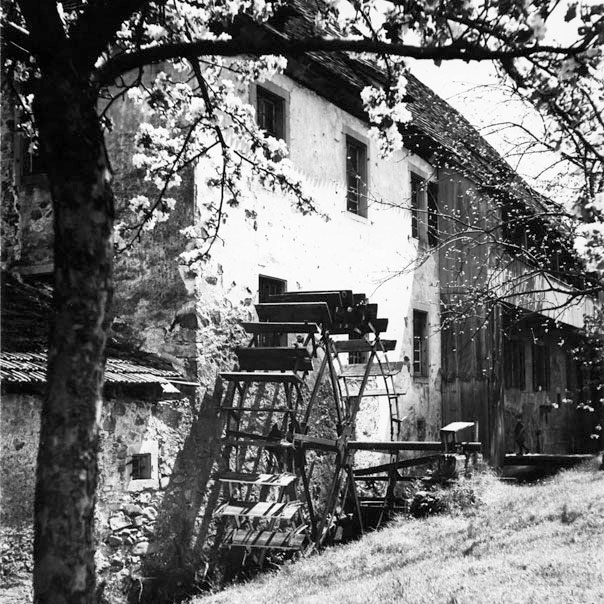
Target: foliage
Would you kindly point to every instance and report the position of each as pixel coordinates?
(195, 107)
(71, 61)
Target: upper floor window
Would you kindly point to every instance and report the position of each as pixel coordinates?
(420, 343)
(417, 193)
(270, 112)
(424, 210)
(356, 176)
(432, 214)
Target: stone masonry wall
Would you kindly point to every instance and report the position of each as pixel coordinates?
(141, 524)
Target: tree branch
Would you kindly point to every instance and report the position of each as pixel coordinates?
(263, 45)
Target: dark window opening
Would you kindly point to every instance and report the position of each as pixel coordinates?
(513, 364)
(141, 466)
(356, 177)
(270, 112)
(267, 287)
(432, 214)
(420, 343)
(417, 185)
(541, 368)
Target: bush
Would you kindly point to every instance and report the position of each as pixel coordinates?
(456, 498)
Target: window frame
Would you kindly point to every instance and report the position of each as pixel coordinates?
(146, 447)
(142, 466)
(271, 339)
(421, 365)
(275, 91)
(266, 95)
(417, 188)
(432, 207)
(358, 207)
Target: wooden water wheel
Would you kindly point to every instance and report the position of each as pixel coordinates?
(292, 366)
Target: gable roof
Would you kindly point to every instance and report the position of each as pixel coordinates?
(24, 326)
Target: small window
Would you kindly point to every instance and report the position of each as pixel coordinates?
(420, 343)
(417, 186)
(541, 368)
(432, 214)
(356, 177)
(270, 112)
(141, 467)
(267, 287)
(513, 364)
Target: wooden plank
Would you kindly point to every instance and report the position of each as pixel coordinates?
(333, 299)
(249, 442)
(397, 465)
(359, 328)
(345, 296)
(363, 345)
(314, 442)
(542, 459)
(261, 376)
(407, 445)
(375, 392)
(280, 358)
(455, 427)
(265, 539)
(312, 312)
(282, 327)
(259, 409)
(269, 510)
(270, 480)
(358, 370)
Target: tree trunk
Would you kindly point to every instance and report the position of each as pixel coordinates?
(71, 143)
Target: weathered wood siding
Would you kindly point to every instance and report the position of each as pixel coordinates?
(471, 332)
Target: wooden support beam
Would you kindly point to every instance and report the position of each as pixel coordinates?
(409, 445)
(397, 465)
(540, 460)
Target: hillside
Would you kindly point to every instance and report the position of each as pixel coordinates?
(537, 543)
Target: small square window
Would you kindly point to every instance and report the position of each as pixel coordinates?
(141, 466)
(356, 177)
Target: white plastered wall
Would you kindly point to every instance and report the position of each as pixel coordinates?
(371, 255)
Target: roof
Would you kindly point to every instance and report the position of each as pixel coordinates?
(25, 319)
(450, 137)
(31, 367)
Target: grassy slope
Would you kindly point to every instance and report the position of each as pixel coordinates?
(540, 544)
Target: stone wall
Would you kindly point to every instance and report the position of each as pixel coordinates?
(9, 209)
(143, 525)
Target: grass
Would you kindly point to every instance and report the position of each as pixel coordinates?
(536, 544)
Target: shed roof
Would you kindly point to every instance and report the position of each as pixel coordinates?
(25, 314)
